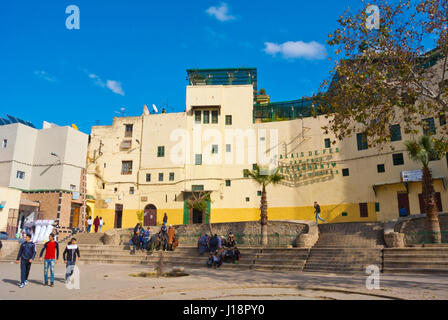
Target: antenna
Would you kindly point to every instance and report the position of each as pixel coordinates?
(122, 112)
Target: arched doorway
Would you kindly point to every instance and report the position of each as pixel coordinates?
(150, 217)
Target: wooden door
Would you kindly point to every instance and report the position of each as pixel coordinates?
(403, 202)
(150, 218)
(118, 215)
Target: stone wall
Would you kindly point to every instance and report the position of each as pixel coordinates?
(280, 233)
(9, 246)
(414, 229)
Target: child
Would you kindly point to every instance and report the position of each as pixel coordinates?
(236, 255)
(217, 260)
(69, 256)
(210, 261)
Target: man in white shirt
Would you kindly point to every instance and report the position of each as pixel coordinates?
(101, 223)
(89, 224)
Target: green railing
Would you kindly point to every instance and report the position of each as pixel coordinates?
(424, 237)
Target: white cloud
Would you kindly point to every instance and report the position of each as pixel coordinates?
(221, 13)
(115, 86)
(298, 49)
(44, 75)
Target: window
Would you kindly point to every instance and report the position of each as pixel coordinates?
(395, 132)
(327, 143)
(126, 167)
(148, 177)
(206, 117)
(228, 148)
(246, 173)
(429, 127)
(215, 116)
(198, 159)
(128, 130)
(197, 187)
(160, 176)
(377, 207)
(228, 120)
(115, 190)
(345, 172)
(104, 186)
(361, 139)
(247, 199)
(228, 183)
(215, 149)
(380, 168)
(72, 187)
(398, 159)
(442, 118)
(259, 193)
(254, 166)
(197, 117)
(171, 176)
(131, 190)
(126, 145)
(4, 143)
(160, 151)
(363, 210)
(20, 175)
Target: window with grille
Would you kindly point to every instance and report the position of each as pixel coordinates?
(148, 177)
(126, 167)
(214, 116)
(395, 132)
(198, 159)
(327, 143)
(160, 176)
(206, 117)
(398, 159)
(429, 127)
(171, 176)
(128, 130)
(197, 117)
(160, 151)
(228, 120)
(361, 139)
(215, 149)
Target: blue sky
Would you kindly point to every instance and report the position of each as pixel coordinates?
(135, 52)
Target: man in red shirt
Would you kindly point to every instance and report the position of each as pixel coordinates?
(51, 255)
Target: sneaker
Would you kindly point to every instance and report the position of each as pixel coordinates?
(52, 284)
(46, 284)
(26, 282)
(21, 285)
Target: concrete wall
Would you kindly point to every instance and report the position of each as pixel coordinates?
(12, 198)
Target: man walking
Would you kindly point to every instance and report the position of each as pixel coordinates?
(89, 224)
(96, 223)
(26, 254)
(69, 256)
(51, 249)
(317, 212)
(165, 219)
(101, 224)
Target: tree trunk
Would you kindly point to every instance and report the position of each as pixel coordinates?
(264, 217)
(432, 216)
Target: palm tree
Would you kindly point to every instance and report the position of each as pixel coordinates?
(424, 150)
(264, 180)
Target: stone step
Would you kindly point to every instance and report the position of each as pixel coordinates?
(416, 264)
(414, 270)
(413, 257)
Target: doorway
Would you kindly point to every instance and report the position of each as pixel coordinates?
(197, 216)
(150, 217)
(403, 202)
(74, 215)
(118, 215)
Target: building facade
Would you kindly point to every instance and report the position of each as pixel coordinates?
(152, 164)
(46, 169)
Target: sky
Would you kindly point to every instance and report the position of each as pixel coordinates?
(129, 53)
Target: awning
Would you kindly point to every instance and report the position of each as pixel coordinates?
(206, 107)
(406, 184)
(24, 202)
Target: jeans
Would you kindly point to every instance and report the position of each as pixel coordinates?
(319, 218)
(101, 227)
(49, 263)
(25, 267)
(88, 228)
(69, 269)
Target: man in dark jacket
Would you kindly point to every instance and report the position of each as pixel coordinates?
(214, 243)
(69, 255)
(26, 254)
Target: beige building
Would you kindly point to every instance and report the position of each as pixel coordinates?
(46, 169)
(152, 164)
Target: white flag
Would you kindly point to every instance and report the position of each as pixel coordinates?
(145, 110)
(155, 108)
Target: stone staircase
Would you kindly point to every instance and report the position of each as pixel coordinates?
(416, 260)
(346, 247)
(278, 259)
